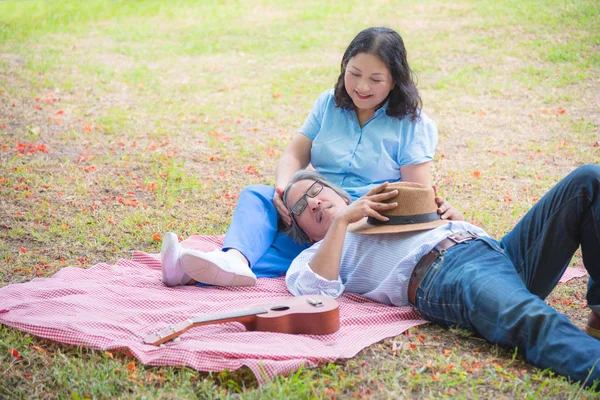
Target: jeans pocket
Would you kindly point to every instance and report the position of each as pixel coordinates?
(430, 276)
(494, 245)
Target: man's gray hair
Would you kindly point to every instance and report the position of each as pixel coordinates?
(294, 231)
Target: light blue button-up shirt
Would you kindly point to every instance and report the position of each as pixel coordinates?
(358, 159)
(376, 266)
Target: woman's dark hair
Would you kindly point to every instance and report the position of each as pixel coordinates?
(294, 231)
(386, 44)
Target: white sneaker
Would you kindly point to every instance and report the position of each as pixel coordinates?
(217, 268)
(172, 271)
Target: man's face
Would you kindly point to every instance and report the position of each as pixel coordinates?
(320, 210)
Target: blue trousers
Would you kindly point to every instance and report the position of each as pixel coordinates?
(253, 232)
(497, 288)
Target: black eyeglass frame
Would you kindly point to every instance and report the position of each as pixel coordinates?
(302, 200)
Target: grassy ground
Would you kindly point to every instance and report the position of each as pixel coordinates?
(123, 119)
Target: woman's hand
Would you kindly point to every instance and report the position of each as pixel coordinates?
(446, 210)
(284, 214)
(369, 205)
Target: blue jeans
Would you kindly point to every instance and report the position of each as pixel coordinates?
(253, 232)
(497, 288)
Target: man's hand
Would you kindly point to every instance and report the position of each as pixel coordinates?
(446, 210)
(326, 261)
(369, 205)
(281, 208)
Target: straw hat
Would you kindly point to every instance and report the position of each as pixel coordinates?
(417, 210)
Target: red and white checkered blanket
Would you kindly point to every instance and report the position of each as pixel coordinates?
(113, 307)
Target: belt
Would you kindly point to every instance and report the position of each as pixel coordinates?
(428, 259)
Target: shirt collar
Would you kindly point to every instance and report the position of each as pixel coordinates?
(383, 108)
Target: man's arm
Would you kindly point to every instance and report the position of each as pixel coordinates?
(326, 261)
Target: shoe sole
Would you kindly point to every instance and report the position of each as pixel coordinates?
(207, 272)
(166, 251)
(592, 332)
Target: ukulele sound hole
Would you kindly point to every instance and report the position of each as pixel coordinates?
(280, 308)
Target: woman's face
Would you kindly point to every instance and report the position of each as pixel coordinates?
(368, 81)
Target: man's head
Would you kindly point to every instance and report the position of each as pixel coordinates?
(313, 203)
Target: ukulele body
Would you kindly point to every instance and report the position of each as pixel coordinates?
(308, 315)
(300, 318)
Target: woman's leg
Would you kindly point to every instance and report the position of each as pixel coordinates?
(278, 257)
(252, 234)
(254, 224)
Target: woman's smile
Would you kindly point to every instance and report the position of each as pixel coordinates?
(362, 96)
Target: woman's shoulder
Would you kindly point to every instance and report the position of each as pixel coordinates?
(422, 120)
(407, 128)
(326, 102)
(326, 97)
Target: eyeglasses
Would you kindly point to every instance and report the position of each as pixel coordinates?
(301, 204)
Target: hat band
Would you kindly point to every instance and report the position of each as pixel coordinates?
(405, 219)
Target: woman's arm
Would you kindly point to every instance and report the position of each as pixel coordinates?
(296, 156)
(418, 173)
(421, 173)
(446, 210)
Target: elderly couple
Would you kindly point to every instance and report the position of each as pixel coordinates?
(398, 243)
(391, 245)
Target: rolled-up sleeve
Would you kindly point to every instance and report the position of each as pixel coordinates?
(312, 125)
(301, 279)
(419, 143)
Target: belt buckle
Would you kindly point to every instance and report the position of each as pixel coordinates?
(465, 239)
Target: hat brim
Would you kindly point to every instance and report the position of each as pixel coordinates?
(364, 228)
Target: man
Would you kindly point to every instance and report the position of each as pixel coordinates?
(452, 271)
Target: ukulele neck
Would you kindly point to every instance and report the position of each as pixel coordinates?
(228, 315)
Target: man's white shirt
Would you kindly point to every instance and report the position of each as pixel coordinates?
(376, 266)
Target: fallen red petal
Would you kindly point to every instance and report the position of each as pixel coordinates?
(15, 354)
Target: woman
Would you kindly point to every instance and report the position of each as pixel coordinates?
(367, 130)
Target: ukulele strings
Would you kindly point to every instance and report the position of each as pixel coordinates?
(231, 314)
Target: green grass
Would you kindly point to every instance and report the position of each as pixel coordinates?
(153, 112)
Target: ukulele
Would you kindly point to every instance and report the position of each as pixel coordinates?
(309, 315)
